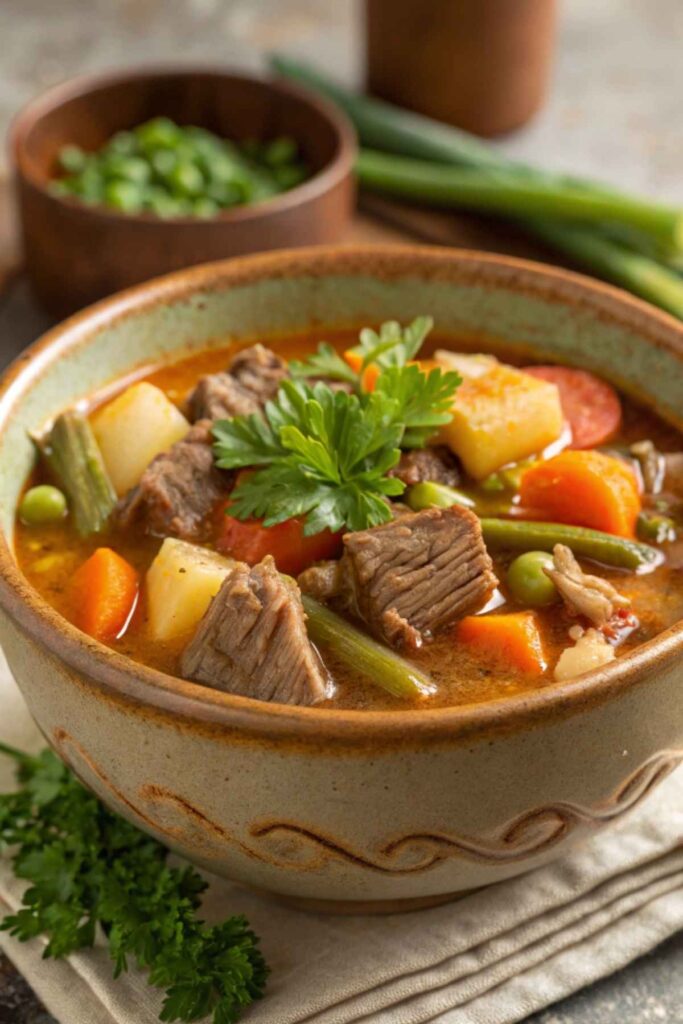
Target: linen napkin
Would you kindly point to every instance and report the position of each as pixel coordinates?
(492, 957)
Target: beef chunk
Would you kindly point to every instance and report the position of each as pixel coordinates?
(178, 490)
(322, 581)
(252, 640)
(436, 463)
(410, 577)
(251, 380)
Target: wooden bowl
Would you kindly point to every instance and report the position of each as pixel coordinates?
(76, 254)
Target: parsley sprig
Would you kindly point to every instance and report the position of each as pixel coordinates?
(86, 867)
(325, 454)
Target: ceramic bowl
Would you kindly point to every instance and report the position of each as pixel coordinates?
(76, 254)
(341, 808)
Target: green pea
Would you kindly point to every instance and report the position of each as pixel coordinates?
(527, 581)
(186, 180)
(159, 132)
(123, 144)
(72, 159)
(127, 168)
(289, 175)
(124, 195)
(205, 208)
(42, 504)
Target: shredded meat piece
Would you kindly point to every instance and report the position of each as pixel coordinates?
(252, 378)
(178, 490)
(435, 463)
(252, 640)
(583, 594)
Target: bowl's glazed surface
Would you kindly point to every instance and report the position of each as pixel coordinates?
(332, 805)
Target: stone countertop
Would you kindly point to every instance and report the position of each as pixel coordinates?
(614, 112)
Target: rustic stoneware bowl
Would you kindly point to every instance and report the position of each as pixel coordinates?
(76, 254)
(338, 808)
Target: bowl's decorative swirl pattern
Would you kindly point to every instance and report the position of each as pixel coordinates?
(302, 848)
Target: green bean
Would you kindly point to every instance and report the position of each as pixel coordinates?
(42, 504)
(658, 529)
(429, 493)
(363, 655)
(73, 455)
(519, 535)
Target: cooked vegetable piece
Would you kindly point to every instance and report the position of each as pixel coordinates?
(502, 416)
(105, 590)
(513, 639)
(655, 528)
(586, 488)
(432, 495)
(180, 583)
(590, 405)
(250, 541)
(74, 457)
(528, 582)
(42, 504)
(130, 430)
(375, 662)
(590, 651)
(506, 534)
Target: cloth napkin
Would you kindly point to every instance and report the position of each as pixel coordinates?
(489, 958)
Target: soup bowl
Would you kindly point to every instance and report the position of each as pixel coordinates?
(345, 809)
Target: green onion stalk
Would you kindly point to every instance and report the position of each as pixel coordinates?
(630, 242)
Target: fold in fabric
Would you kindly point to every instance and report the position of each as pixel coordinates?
(492, 957)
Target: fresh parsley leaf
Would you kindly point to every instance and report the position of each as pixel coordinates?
(328, 454)
(393, 345)
(325, 363)
(86, 867)
(325, 454)
(425, 399)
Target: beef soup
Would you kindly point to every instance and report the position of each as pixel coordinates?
(378, 521)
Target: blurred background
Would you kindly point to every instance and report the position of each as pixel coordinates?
(613, 108)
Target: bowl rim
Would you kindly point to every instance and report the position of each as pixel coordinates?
(119, 677)
(336, 170)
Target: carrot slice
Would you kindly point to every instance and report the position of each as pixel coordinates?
(513, 640)
(250, 541)
(104, 590)
(584, 488)
(591, 406)
(354, 359)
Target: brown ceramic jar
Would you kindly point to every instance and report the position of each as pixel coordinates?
(482, 65)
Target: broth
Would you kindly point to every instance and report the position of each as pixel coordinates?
(50, 554)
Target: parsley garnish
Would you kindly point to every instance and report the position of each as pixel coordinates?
(88, 867)
(325, 454)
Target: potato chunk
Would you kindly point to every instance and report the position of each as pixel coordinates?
(133, 428)
(181, 581)
(590, 651)
(502, 416)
